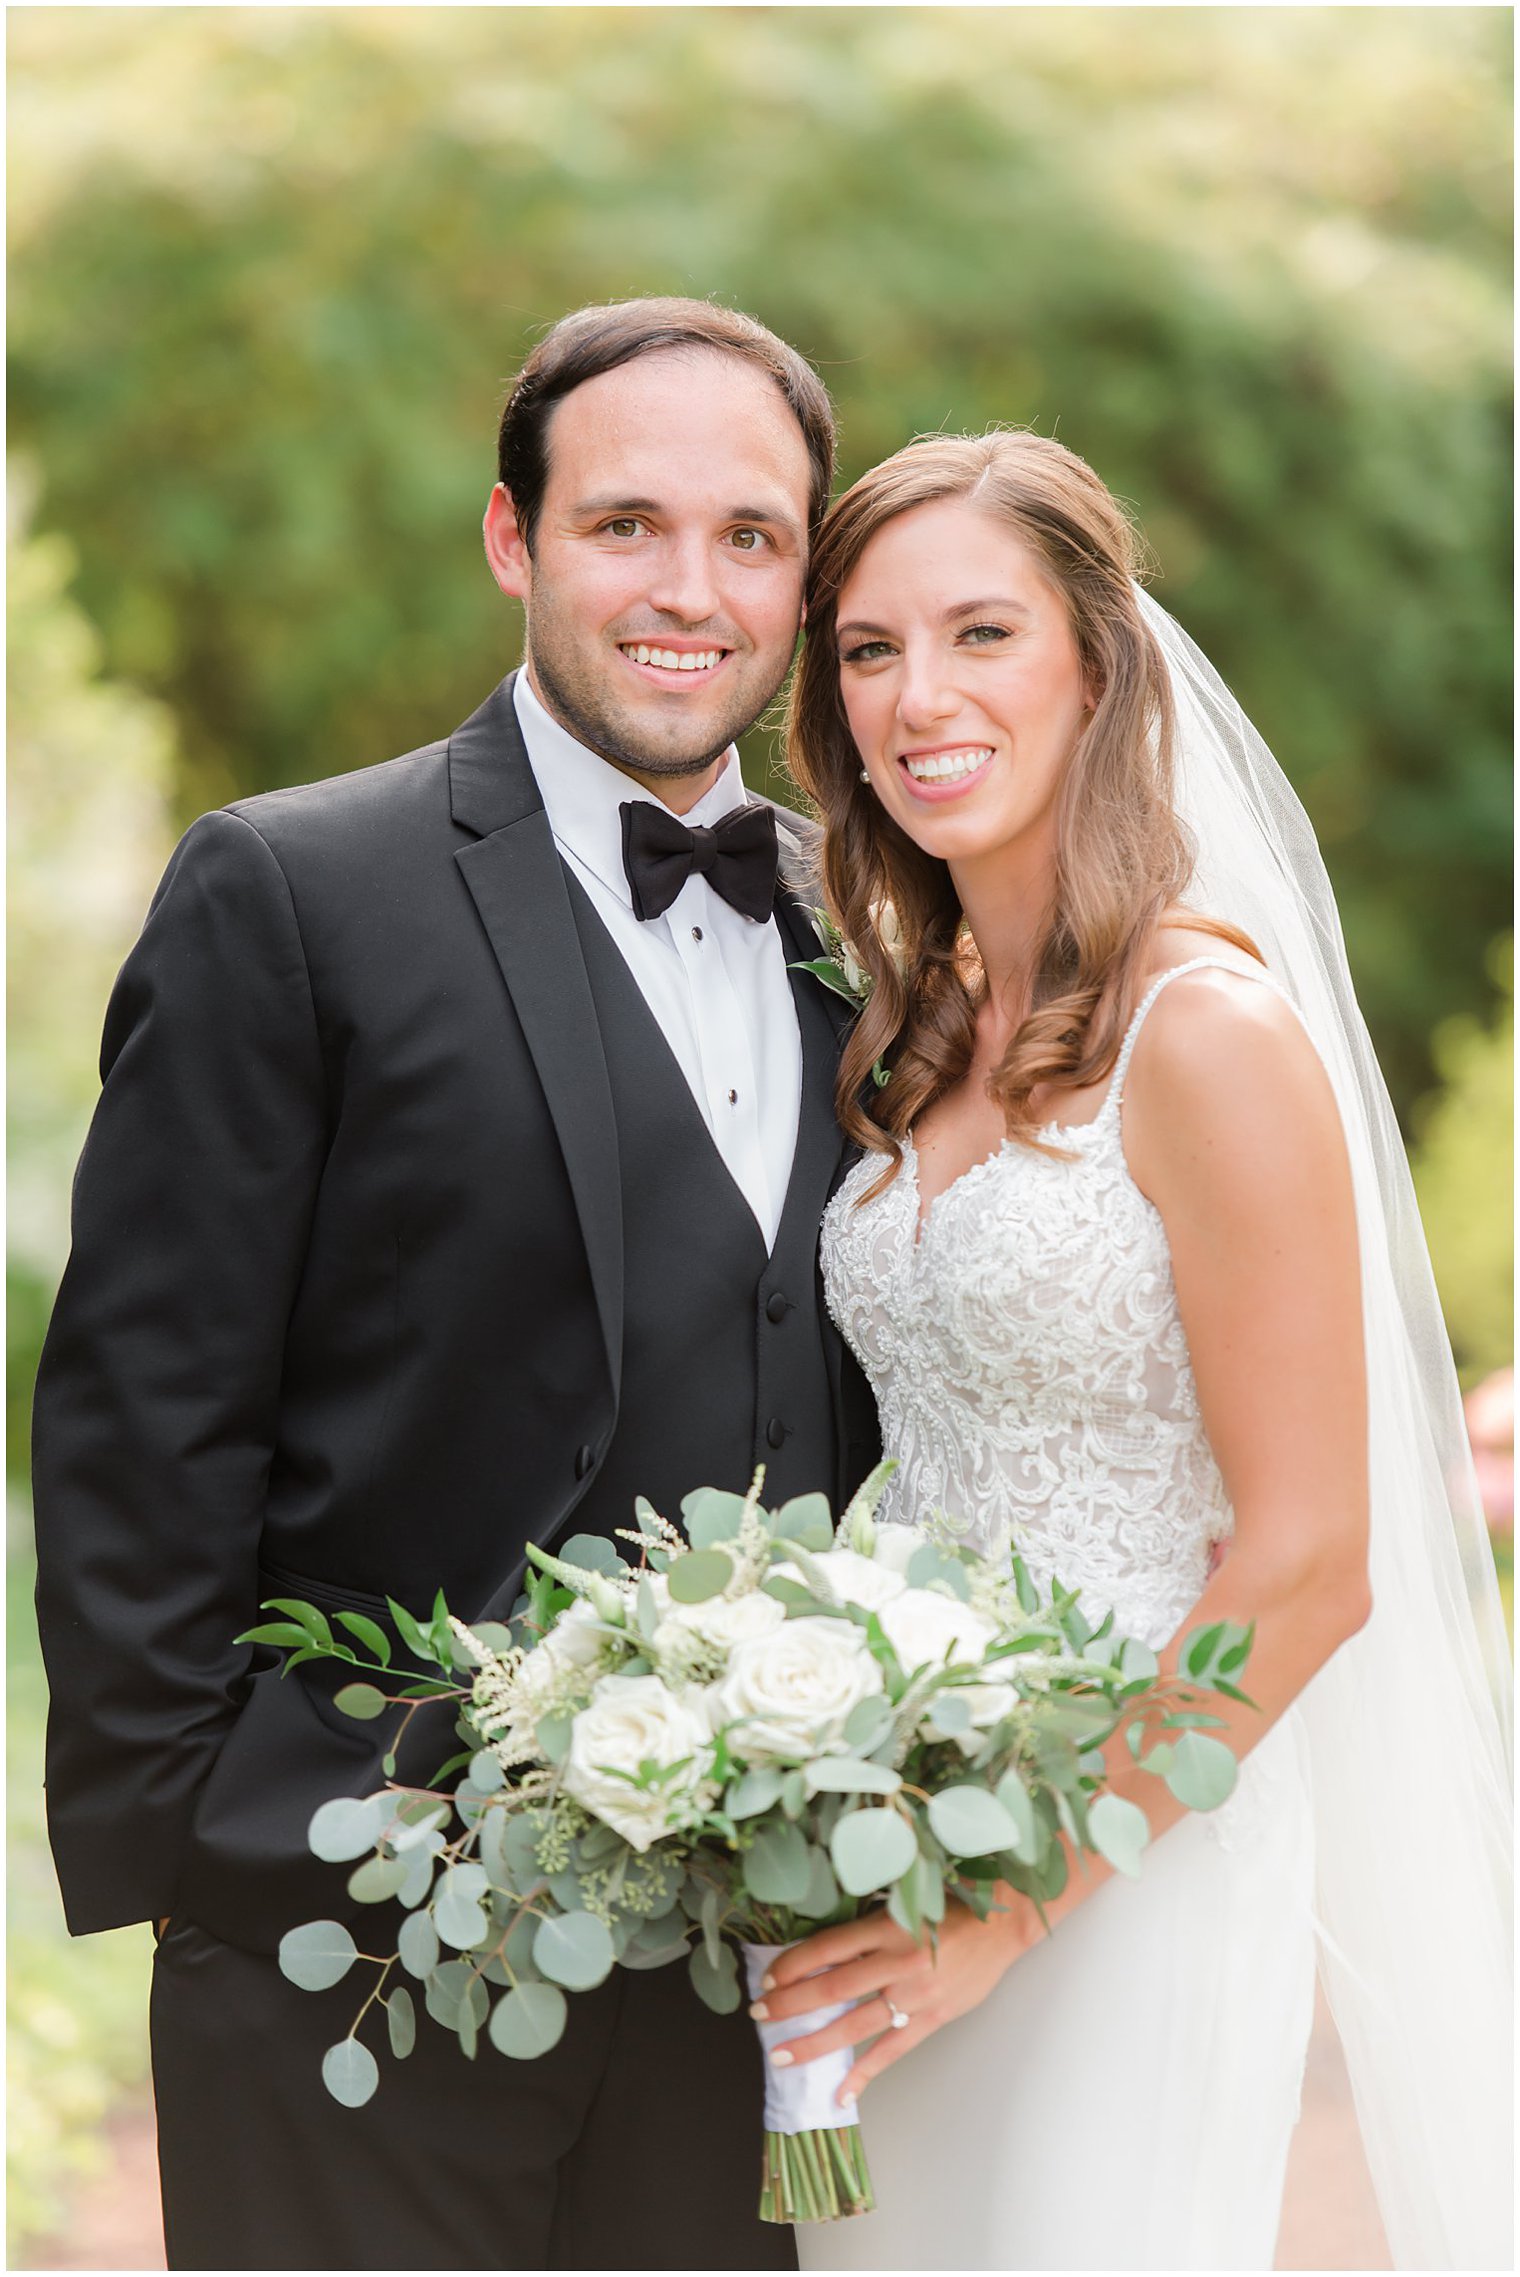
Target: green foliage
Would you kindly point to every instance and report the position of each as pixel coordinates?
(1254, 267)
(78, 2009)
(89, 766)
(1462, 1160)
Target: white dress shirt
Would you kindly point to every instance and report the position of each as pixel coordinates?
(715, 981)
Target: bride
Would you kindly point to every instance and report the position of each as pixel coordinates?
(1128, 1258)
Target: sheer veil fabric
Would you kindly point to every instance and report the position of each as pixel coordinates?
(1408, 1724)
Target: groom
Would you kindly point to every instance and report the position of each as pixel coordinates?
(456, 1176)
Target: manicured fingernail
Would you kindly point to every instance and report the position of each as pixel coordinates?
(781, 2057)
(767, 1984)
(760, 2011)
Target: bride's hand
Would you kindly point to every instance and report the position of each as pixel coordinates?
(864, 1960)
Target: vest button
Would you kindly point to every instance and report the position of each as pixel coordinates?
(776, 1306)
(584, 1458)
(775, 1431)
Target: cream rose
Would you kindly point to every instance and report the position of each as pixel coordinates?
(719, 1621)
(854, 1579)
(894, 1547)
(923, 1625)
(790, 1692)
(631, 1721)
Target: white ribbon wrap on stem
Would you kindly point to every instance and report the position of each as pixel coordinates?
(802, 2098)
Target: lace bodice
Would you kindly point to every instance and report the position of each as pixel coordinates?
(1029, 1362)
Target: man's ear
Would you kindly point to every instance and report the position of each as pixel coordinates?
(506, 548)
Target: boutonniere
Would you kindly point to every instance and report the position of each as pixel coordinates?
(842, 972)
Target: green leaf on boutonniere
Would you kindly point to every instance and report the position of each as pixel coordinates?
(832, 976)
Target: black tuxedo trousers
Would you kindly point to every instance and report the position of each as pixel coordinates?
(379, 1220)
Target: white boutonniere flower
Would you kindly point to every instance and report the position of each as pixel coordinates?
(841, 970)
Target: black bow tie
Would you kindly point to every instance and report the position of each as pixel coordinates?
(737, 857)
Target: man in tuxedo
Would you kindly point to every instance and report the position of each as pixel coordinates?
(464, 1135)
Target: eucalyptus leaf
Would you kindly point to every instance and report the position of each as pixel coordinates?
(350, 2073)
(970, 1822)
(776, 1865)
(361, 1701)
(418, 1884)
(1120, 1831)
(593, 1553)
(553, 1734)
(806, 1520)
(529, 2021)
(1028, 1837)
(417, 1946)
(930, 1567)
(345, 1828)
(317, 1954)
(453, 1986)
(753, 1791)
(460, 1921)
(793, 1794)
(698, 1576)
(486, 1774)
(871, 1848)
(822, 1893)
(849, 1775)
(467, 1879)
(647, 1613)
(711, 1516)
(868, 1723)
(1202, 1772)
(401, 2021)
(377, 1879)
(716, 1981)
(573, 1949)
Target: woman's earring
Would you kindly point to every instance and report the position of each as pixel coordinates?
(865, 774)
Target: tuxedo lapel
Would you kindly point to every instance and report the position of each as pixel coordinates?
(514, 874)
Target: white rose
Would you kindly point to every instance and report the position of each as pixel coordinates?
(720, 1621)
(924, 1625)
(895, 1545)
(791, 1691)
(854, 1579)
(631, 1721)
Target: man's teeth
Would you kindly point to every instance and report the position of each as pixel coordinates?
(673, 660)
(945, 766)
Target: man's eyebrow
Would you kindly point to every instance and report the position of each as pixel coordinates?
(592, 509)
(588, 508)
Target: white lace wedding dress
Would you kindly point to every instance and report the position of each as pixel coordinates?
(1125, 2096)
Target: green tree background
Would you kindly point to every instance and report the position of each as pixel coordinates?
(272, 270)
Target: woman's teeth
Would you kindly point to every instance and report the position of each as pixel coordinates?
(673, 660)
(948, 766)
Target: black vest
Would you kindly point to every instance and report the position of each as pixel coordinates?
(724, 1348)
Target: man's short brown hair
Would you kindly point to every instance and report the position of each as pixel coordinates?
(595, 340)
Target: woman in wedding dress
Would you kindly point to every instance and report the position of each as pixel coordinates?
(1117, 1262)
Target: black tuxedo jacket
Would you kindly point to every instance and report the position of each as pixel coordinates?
(344, 1307)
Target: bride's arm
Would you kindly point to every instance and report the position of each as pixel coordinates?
(1232, 1132)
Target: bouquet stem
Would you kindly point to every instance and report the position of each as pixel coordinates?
(814, 2168)
(819, 2176)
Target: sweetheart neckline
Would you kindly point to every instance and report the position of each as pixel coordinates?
(922, 1214)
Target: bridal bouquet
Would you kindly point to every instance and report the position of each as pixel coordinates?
(764, 1725)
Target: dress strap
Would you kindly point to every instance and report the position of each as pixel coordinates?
(1115, 1099)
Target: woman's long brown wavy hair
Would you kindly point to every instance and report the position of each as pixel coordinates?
(1123, 860)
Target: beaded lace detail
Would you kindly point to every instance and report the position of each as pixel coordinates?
(1029, 1362)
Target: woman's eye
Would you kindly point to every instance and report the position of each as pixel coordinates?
(748, 541)
(866, 652)
(982, 634)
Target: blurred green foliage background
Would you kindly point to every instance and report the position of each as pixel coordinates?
(272, 270)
